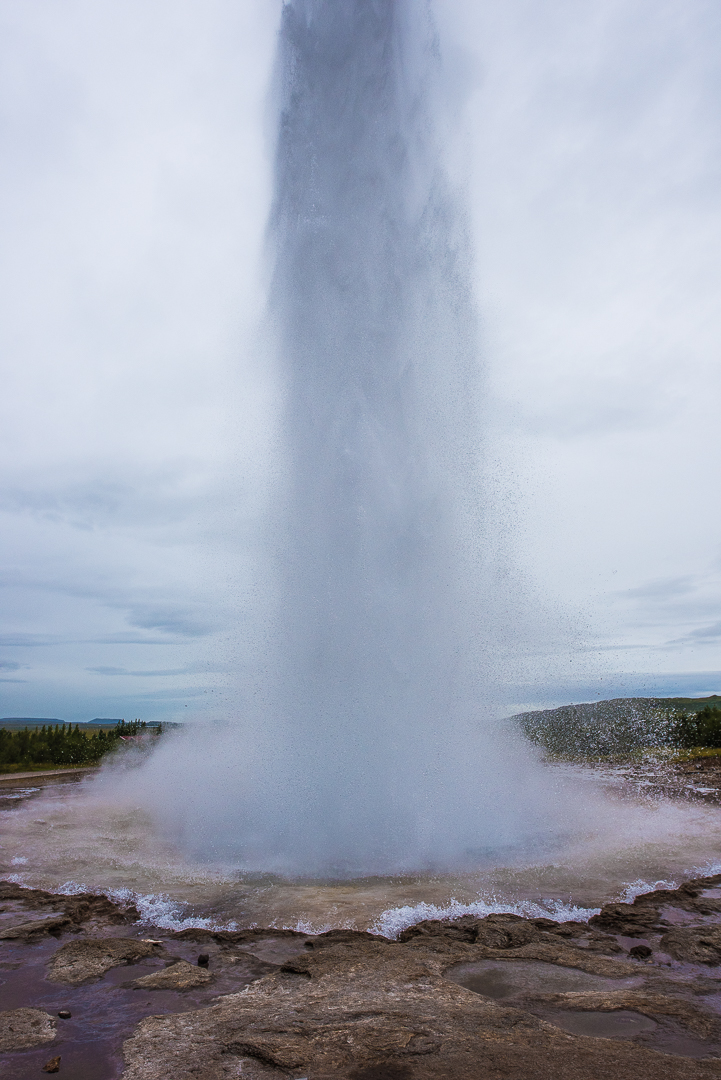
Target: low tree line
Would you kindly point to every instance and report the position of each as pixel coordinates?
(61, 744)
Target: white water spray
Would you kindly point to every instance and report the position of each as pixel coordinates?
(366, 739)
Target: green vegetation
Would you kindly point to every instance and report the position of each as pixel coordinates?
(700, 729)
(61, 744)
(625, 726)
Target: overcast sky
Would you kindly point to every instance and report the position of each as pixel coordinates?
(135, 188)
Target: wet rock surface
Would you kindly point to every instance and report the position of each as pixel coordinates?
(695, 779)
(472, 998)
(79, 961)
(700, 945)
(26, 914)
(22, 1028)
(179, 976)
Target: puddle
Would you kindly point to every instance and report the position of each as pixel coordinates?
(620, 1024)
(663, 1035)
(506, 978)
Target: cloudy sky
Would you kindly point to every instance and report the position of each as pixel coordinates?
(136, 401)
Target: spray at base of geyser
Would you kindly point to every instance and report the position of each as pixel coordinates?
(225, 805)
(365, 740)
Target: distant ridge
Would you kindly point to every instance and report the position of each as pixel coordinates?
(16, 722)
(19, 722)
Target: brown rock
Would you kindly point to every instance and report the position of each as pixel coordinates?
(495, 931)
(73, 910)
(29, 931)
(238, 937)
(697, 944)
(21, 1029)
(53, 1065)
(627, 919)
(90, 958)
(645, 913)
(179, 976)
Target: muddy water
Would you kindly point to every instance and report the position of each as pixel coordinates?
(61, 833)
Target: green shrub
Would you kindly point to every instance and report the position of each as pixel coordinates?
(700, 729)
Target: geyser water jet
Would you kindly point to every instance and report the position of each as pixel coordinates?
(365, 742)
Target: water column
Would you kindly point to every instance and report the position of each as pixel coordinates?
(376, 332)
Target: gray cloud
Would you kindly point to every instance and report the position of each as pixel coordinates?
(663, 589)
(713, 631)
(700, 634)
(186, 670)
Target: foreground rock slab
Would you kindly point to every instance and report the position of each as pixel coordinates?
(366, 1010)
(21, 1029)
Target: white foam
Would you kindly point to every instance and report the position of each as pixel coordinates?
(393, 921)
(709, 869)
(639, 887)
(157, 909)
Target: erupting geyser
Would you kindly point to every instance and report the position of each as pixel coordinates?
(366, 739)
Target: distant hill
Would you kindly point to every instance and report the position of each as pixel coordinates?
(17, 723)
(619, 726)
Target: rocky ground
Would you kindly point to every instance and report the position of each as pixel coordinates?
(90, 993)
(692, 779)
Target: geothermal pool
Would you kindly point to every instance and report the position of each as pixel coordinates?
(62, 833)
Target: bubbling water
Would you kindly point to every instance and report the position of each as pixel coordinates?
(366, 738)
